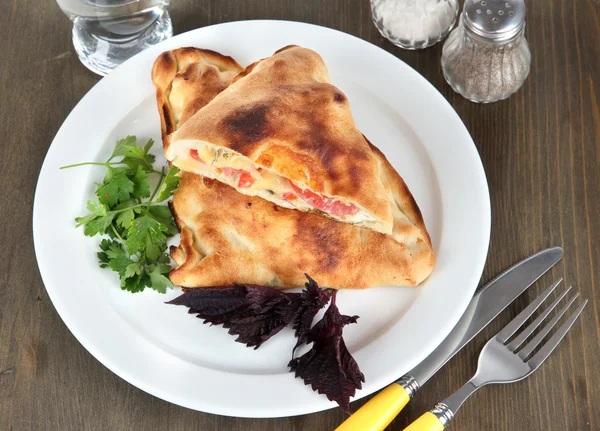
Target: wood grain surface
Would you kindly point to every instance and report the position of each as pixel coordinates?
(540, 149)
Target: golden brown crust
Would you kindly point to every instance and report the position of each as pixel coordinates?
(229, 237)
(402, 198)
(287, 101)
(186, 79)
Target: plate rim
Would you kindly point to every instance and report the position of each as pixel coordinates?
(318, 405)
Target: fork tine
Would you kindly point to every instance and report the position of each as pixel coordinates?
(539, 358)
(526, 351)
(516, 323)
(516, 343)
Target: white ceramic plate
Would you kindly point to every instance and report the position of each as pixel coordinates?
(170, 354)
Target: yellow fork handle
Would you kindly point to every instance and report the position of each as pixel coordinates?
(377, 414)
(427, 422)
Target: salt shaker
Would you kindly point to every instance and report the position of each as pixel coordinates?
(487, 58)
(414, 24)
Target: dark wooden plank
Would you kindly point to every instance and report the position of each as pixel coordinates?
(540, 149)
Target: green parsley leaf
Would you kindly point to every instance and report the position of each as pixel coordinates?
(102, 256)
(135, 284)
(96, 208)
(141, 229)
(148, 145)
(121, 146)
(132, 269)
(83, 220)
(137, 156)
(164, 258)
(141, 188)
(126, 213)
(98, 225)
(106, 245)
(153, 251)
(159, 281)
(110, 250)
(112, 171)
(120, 263)
(170, 183)
(145, 163)
(137, 227)
(114, 250)
(163, 215)
(111, 233)
(160, 212)
(134, 152)
(119, 189)
(114, 256)
(125, 218)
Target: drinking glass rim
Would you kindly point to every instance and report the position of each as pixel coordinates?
(93, 3)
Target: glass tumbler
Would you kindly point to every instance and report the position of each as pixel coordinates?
(108, 32)
(414, 24)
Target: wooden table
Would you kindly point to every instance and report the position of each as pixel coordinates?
(540, 149)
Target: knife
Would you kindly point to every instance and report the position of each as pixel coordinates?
(483, 308)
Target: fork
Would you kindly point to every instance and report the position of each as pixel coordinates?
(502, 361)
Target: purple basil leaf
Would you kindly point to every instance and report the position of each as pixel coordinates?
(328, 366)
(212, 302)
(253, 313)
(312, 299)
(262, 298)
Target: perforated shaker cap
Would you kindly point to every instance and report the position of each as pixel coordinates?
(494, 20)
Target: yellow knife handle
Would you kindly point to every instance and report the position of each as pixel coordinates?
(377, 414)
(427, 422)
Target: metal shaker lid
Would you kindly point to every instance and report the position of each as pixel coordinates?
(495, 20)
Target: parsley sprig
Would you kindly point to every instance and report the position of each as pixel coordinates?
(137, 225)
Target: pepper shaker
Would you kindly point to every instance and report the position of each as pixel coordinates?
(414, 24)
(487, 58)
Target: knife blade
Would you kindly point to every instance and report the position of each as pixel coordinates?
(486, 304)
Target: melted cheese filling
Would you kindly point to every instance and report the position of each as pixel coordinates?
(267, 184)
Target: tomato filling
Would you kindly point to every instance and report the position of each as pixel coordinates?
(230, 171)
(328, 205)
(194, 155)
(246, 179)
